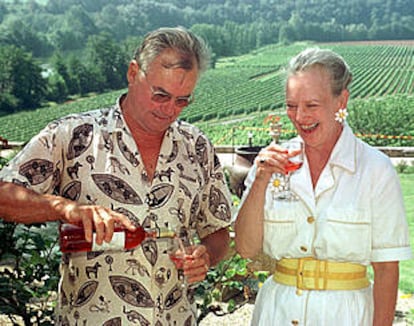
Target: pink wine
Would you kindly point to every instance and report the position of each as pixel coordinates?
(72, 238)
(291, 167)
(178, 260)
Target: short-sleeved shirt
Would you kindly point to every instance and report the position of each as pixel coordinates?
(357, 197)
(92, 158)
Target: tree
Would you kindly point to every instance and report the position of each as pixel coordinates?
(95, 5)
(112, 21)
(215, 37)
(86, 80)
(8, 102)
(21, 81)
(286, 34)
(57, 90)
(109, 60)
(297, 24)
(356, 32)
(21, 35)
(73, 29)
(3, 11)
(62, 70)
(135, 19)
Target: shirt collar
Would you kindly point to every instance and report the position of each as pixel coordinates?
(344, 152)
(116, 117)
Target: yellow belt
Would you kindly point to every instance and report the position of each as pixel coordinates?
(313, 274)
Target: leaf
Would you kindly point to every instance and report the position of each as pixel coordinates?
(230, 273)
(231, 306)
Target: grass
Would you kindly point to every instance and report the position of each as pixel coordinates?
(407, 267)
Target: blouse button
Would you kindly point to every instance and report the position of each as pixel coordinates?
(303, 248)
(295, 322)
(310, 219)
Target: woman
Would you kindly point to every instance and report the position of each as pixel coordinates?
(349, 213)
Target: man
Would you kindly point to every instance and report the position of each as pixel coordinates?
(130, 164)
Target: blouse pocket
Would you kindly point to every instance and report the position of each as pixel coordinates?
(344, 234)
(280, 230)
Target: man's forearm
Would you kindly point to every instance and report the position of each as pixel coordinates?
(21, 205)
(217, 245)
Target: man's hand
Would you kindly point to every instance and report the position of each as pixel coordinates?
(100, 219)
(196, 267)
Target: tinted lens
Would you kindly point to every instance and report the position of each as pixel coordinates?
(161, 97)
(182, 101)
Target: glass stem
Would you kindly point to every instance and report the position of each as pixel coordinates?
(287, 182)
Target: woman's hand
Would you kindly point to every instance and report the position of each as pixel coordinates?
(271, 159)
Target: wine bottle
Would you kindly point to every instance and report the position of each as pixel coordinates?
(72, 238)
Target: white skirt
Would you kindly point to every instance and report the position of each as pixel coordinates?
(278, 304)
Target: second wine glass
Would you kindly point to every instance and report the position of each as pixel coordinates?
(281, 183)
(180, 251)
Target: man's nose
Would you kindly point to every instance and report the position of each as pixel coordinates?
(169, 108)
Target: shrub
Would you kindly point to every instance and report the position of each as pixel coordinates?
(29, 276)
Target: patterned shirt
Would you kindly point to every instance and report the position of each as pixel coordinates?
(92, 158)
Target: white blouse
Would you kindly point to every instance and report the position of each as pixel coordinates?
(355, 214)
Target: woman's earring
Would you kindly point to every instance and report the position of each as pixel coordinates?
(341, 115)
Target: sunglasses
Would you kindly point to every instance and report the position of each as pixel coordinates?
(161, 97)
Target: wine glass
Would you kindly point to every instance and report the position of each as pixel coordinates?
(179, 251)
(281, 183)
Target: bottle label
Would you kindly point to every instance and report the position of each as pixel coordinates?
(117, 242)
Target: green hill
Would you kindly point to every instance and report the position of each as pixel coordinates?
(242, 90)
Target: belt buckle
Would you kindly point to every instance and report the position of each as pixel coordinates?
(300, 284)
(316, 273)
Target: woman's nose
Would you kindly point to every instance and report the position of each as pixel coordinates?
(300, 113)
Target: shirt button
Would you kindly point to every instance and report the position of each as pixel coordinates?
(295, 322)
(310, 219)
(303, 248)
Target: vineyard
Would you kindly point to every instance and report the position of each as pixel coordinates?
(233, 99)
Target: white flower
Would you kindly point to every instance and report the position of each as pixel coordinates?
(341, 115)
(278, 183)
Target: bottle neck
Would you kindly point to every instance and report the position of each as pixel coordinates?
(160, 233)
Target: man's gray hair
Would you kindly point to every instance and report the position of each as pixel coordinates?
(332, 62)
(190, 47)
